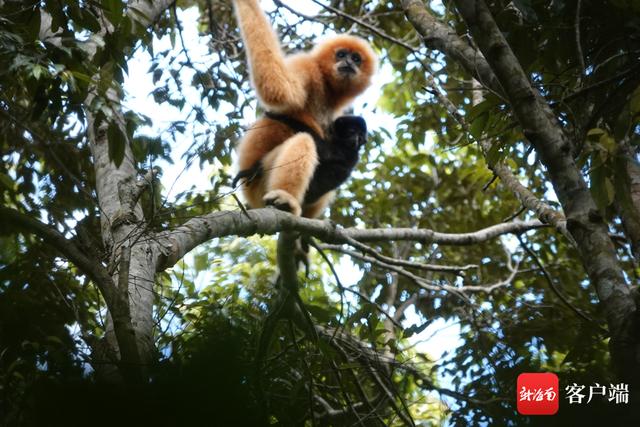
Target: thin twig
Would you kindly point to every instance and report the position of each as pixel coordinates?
(370, 27)
(402, 263)
(578, 42)
(555, 289)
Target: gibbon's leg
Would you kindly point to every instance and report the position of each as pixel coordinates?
(288, 169)
(316, 208)
(276, 85)
(253, 192)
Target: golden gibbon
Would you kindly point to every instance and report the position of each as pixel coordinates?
(299, 136)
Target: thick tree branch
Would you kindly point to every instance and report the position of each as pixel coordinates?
(287, 263)
(177, 242)
(544, 212)
(148, 12)
(629, 208)
(441, 37)
(131, 306)
(583, 221)
(449, 239)
(91, 267)
(116, 303)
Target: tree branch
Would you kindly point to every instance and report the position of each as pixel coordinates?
(555, 289)
(449, 239)
(130, 193)
(148, 12)
(544, 212)
(629, 204)
(422, 282)
(578, 39)
(372, 28)
(117, 303)
(441, 37)
(585, 224)
(454, 269)
(178, 242)
(91, 267)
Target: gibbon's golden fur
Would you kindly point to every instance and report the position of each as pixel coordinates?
(311, 87)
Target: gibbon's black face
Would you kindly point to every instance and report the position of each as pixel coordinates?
(348, 62)
(350, 130)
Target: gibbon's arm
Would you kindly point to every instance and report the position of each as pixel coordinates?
(277, 87)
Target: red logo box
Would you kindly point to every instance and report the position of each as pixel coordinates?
(538, 394)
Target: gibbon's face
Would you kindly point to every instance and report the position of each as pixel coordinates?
(347, 63)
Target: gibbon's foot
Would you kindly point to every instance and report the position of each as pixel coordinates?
(282, 200)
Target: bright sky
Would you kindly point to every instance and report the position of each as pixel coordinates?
(440, 336)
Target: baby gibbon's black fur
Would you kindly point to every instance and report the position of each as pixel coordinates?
(337, 154)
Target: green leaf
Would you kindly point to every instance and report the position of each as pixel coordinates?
(74, 12)
(321, 314)
(415, 329)
(57, 18)
(106, 77)
(602, 188)
(38, 71)
(622, 183)
(117, 143)
(81, 76)
(90, 21)
(114, 10)
(201, 262)
(608, 143)
(494, 154)
(610, 191)
(6, 181)
(33, 26)
(139, 16)
(479, 116)
(54, 340)
(596, 132)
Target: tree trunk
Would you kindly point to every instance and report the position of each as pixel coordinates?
(497, 68)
